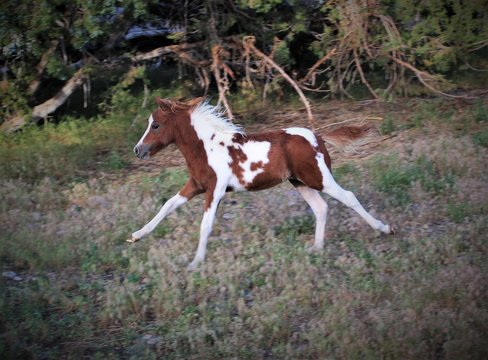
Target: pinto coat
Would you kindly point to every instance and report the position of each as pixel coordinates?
(221, 157)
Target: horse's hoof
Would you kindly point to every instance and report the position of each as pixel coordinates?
(312, 249)
(133, 239)
(193, 266)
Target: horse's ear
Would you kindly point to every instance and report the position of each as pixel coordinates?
(164, 103)
(194, 102)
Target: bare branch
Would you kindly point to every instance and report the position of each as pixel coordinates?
(249, 42)
(34, 85)
(423, 76)
(221, 85)
(166, 50)
(363, 78)
(318, 63)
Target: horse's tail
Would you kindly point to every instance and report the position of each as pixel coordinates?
(348, 138)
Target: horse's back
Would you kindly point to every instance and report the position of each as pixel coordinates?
(294, 154)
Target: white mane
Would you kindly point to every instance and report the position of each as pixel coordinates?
(213, 117)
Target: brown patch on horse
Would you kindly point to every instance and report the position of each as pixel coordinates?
(190, 190)
(203, 177)
(302, 161)
(256, 165)
(238, 156)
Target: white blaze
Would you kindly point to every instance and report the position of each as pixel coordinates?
(151, 120)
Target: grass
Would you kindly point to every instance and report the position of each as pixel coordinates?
(85, 292)
(66, 151)
(481, 137)
(396, 176)
(388, 126)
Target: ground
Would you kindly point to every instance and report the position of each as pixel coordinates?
(72, 286)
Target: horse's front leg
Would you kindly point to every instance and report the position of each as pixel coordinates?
(185, 194)
(211, 204)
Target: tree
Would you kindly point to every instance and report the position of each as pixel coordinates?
(315, 46)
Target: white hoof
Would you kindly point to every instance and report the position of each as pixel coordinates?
(387, 229)
(136, 236)
(313, 249)
(193, 265)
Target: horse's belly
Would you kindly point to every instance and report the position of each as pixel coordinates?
(260, 181)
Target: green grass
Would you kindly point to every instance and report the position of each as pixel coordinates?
(480, 112)
(77, 147)
(395, 177)
(86, 293)
(344, 171)
(388, 126)
(481, 137)
(68, 150)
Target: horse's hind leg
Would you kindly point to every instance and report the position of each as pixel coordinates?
(350, 200)
(319, 208)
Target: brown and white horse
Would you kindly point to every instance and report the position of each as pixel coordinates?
(220, 157)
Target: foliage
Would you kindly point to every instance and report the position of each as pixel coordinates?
(378, 44)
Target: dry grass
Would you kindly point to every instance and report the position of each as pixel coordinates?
(422, 293)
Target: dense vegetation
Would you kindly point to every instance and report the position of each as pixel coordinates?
(252, 49)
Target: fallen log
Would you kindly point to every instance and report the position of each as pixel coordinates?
(41, 111)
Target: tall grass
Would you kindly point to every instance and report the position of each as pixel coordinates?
(66, 150)
(76, 147)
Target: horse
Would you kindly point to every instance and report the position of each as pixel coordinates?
(221, 157)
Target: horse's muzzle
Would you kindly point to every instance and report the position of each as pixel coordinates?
(142, 151)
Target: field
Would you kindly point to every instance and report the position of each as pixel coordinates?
(72, 287)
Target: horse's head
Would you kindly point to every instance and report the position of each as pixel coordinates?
(160, 131)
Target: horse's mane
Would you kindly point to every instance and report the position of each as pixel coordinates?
(213, 116)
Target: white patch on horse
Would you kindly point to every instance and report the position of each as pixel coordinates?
(213, 129)
(150, 120)
(216, 130)
(256, 153)
(305, 133)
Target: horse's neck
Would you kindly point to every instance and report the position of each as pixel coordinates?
(189, 144)
(193, 150)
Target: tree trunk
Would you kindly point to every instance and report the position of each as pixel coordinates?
(43, 110)
(34, 85)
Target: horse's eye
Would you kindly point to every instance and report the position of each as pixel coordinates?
(155, 126)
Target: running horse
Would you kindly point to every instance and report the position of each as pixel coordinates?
(221, 157)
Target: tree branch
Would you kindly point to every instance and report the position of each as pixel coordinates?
(361, 74)
(317, 64)
(249, 42)
(43, 110)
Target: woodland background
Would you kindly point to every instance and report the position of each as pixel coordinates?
(78, 82)
(79, 57)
